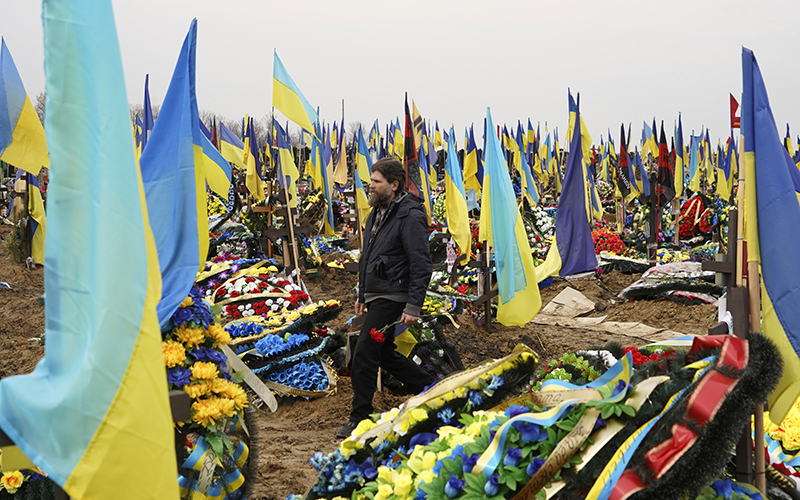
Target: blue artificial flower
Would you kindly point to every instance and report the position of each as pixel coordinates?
(514, 410)
(182, 315)
(469, 462)
(318, 461)
(453, 486)
(723, 487)
(370, 472)
(352, 472)
(437, 467)
(531, 432)
(422, 438)
(382, 447)
(598, 424)
(620, 387)
(179, 376)
(496, 383)
(492, 486)
(513, 457)
(475, 398)
(534, 466)
(446, 415)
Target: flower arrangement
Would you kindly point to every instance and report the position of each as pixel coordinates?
(215, 206)
(196, 365)
(607, 241)
(438, 211)
(577, 365)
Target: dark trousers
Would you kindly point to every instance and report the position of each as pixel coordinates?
(370, 355)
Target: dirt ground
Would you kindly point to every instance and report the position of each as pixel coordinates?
(283, 441)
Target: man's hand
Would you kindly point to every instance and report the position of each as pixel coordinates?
(361, 308)
(408, 319)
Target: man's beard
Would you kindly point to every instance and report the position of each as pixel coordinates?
(377, 198)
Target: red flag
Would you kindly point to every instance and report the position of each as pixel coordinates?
(735, 120)
(665, 177)
(413, 176)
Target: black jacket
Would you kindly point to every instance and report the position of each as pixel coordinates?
(397, 259)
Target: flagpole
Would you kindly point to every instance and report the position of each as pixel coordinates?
(753, 287)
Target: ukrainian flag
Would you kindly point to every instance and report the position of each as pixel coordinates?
(231, 147)
(287, 168)
(680, 160)
(502, 225)
(364, 161)
(473, 166)
(287, 98)
(772, 211)
(94, 415)
(455, 202)
(174, 173)
(572, 251)
(22, 138)
(38, 222)
(253, 164)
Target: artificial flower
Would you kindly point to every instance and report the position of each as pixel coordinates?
(203, 370)
(197, 389)
(179, 376)
(174, 353)
(190, 336)
(402, 484)
(219, 334)
(205, 412)
(12, 481)
(186, 302)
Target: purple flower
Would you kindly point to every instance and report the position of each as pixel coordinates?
(422, 438)
(598, 424)
(453, 486)
(179, 376)
(723, 488)
(469, 462)
(492, 485)
(369, 471)
(620, 387)
(514, 410)
(531, 432)
(534, 466)
(513, 456)
(182, 315)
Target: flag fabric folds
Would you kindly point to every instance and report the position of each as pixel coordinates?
(231, 147)
(772, 214)
(287, 98)
(147, 113)
(501, 225)
(175, 185)
(455, 202)
(573, 249)
(22, 137)
(94, 414)
(364, 163)
(413, 174)
(287, 168)
(665, 177)
(38, 222)
(680, 160)
(252, 161)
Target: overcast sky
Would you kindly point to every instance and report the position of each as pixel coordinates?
(630, 60)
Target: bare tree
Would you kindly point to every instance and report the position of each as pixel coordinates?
(352, 128)
(40, 102)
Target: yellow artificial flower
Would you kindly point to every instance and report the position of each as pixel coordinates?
(384, 492)
(197, 389)
(428, 460)
(205, 412)
(204, 370)
(385, 473)
(363, 427)
(12, 481)
(417, 415)
(402, 427)
(187, 302)
(224, 405)
(190, 336)
(446, 431)
(240, 399)
(426, 476)
(349, 446)
(219, 334)
(174, 353)
(402, 484)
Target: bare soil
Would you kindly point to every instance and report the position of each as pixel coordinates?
(283, 441)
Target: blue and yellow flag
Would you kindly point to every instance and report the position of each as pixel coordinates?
(501, 224)
(363, 166)
(572, 252)
(473, 166)
(147, 113)
(287, 98)
(173, 172)
(340, 171)
(287, 168)
(231, 147)
(94, 414)
(327, 180)
(526, 176)
(455, 203)
(694, 163)
(22, 138)
(252, 161)
(772, 219)
(38, 222)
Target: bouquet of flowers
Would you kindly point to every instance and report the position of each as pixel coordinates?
(607, 241)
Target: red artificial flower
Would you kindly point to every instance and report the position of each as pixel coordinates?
(249, 279)
(234, 293)
(377, 335)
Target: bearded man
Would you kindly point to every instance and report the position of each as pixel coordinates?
(394, 272)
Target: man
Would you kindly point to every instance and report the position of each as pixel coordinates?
(394, 273)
